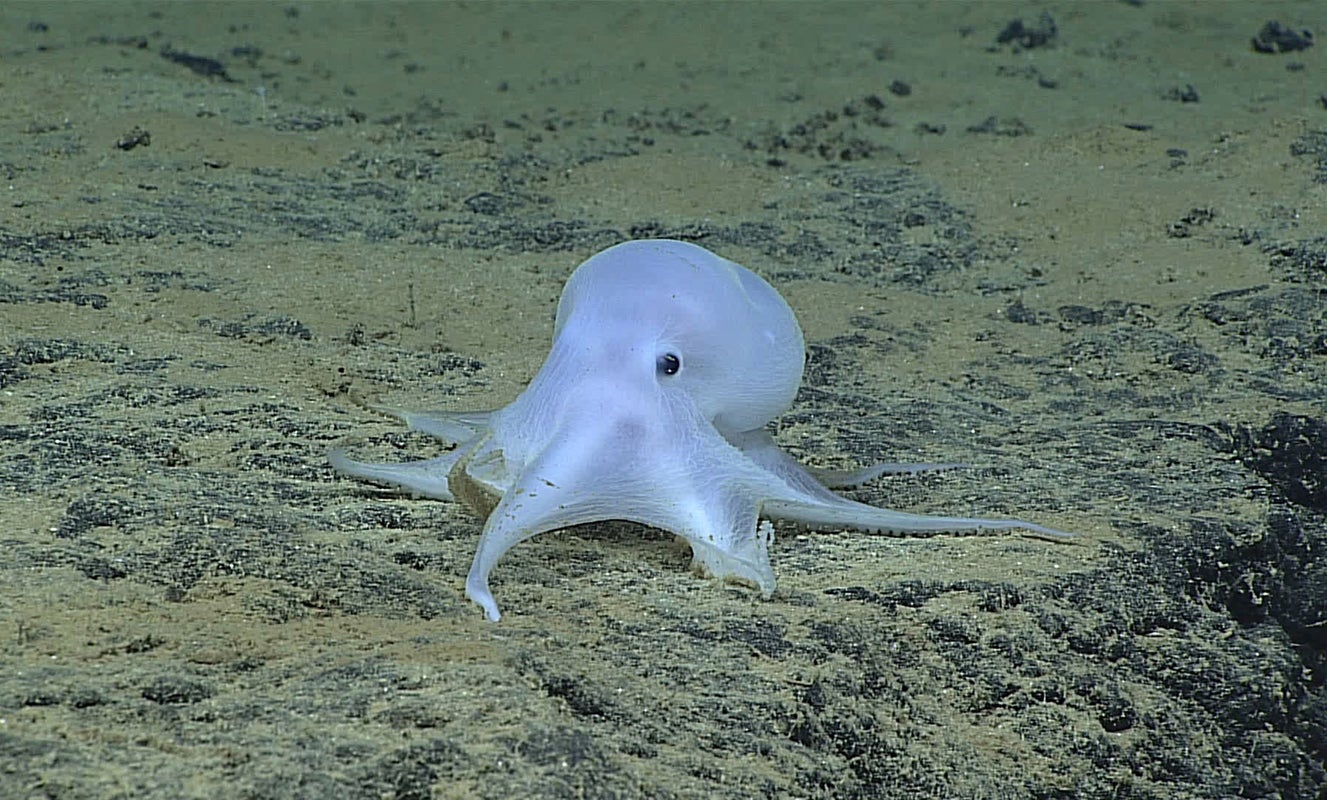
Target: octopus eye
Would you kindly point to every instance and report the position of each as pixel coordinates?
(668, 364)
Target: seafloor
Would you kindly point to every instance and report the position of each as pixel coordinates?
(1085, 253)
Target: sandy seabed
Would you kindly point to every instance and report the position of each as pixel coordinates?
(1085, 253)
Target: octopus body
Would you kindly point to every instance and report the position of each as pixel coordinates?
(667, 364)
